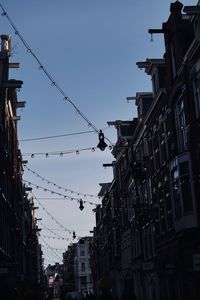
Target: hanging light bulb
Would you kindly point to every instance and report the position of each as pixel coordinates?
(81, 206)
(101, 145)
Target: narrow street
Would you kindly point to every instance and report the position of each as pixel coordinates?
(106, 208)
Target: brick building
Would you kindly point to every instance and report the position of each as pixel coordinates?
(156, 185)
(20, 254)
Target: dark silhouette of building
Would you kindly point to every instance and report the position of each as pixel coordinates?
(20, 254)
(150, 212)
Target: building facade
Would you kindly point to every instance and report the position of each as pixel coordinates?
(20, 255)
(153, 201)
(77, 268)
(82, 268)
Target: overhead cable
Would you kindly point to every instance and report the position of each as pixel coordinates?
(59, 194)
(60, 153)
(58, 186)
(48, 75)
(54, 219)
(55, 136)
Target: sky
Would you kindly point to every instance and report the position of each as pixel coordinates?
(90, 49)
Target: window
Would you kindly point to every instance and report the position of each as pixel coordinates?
(181, 126)
(130, 200)
(185, 186)
(82, 267)
(82, 251)
(176, 193)
(196, 89)
(181, 189)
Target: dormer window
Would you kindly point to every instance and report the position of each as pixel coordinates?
(158, 79)
(156, 68)
(143, 102)
(181, 187)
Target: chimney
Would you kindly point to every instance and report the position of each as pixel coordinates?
(176, 8)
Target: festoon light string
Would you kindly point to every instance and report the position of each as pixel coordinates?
(60, 153)
(48, 75)
(49, 254)
(58, 186)
(54, 238)
(55, 220)
(56, 235)
(65, 197)
(54, 250)
(52, 247)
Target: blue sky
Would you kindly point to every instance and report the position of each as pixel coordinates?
(90, 47)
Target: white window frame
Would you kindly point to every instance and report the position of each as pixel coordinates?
(181, 125)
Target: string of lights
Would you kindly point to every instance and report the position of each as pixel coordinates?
(60, 153)
(56, 229)
(79, 200)
(56, 221)
(55, 251)
(54, 233)
(46, 245)
(48, 75)
(54, 238)
(54, 248)
(47, 251)
(58, 186)
(49, 255)
(47, 260)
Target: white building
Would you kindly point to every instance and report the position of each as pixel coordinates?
(82, 269)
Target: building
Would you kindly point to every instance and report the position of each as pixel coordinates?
(68, 268)
(54, 277)
(153, 200)
(20, 258)
(77, 268)
(82, 269)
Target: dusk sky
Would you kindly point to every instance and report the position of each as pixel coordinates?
(90, 49)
